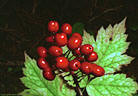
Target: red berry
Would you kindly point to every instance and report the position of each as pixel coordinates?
(76, 51)
(98, 70)
(66, 28)
(74, 65)
(55, 51)
(42, 63)
(72, 72)
(42, 51)
(92, 57)
(86, 49)
(61, 39)
(49, 75)
(66, 69)
(50, 39)
(61, 62)
(92, 65)
(77, 35)
(74, 42)
(86, 67)
(81, 59)
(53, 26)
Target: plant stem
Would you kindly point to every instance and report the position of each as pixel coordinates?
(83, 76)
(77, 86)
(66, 52)
(71, 57)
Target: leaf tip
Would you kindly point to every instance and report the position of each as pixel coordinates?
(84, 31)
(123, 21)
(26, 56)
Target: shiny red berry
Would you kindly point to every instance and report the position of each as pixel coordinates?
(42, 51)
(49, 75)
(76, 52)
(53, 26)
(50, 39)
(66, 28)
(66, 69)
(86, 67)
(55, 51)
(61, 39)
(81, 59)
(72, 72)
(74, 65)
(92, 65)
(92, 57)
(74, 42)
(42, 63)
(61, 62)
(77, 35)
(98, 70)
(86, 49)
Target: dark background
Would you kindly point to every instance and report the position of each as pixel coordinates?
(23, 27)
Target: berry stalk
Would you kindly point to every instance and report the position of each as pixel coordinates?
(77, 85)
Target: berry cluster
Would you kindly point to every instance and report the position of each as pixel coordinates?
(58, 61)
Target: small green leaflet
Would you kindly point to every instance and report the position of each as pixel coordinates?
(38, 85)
(78, 27)
(110, 46)
(83, 82)
(69, 79)
(112, 85)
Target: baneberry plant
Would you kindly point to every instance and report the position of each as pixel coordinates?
(68, 75)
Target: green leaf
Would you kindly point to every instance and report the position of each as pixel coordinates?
(110, 45)
(135, 94)
(38, 85)
(112, 85)
(32, 92)
(83, 82)
(78, 27)
(88, 39)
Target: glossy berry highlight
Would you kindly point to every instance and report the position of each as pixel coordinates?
(77, 35)
(86, 49)
(42, 51)
(98, 70)
(86, 67)
(61, 39)
(55, 51)
(92, 57)
(62, 62)
(66, 28)
(53, 26)
(74, 65)
(49, 75)
(74, 42)
(76, 52)
(42, 63)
